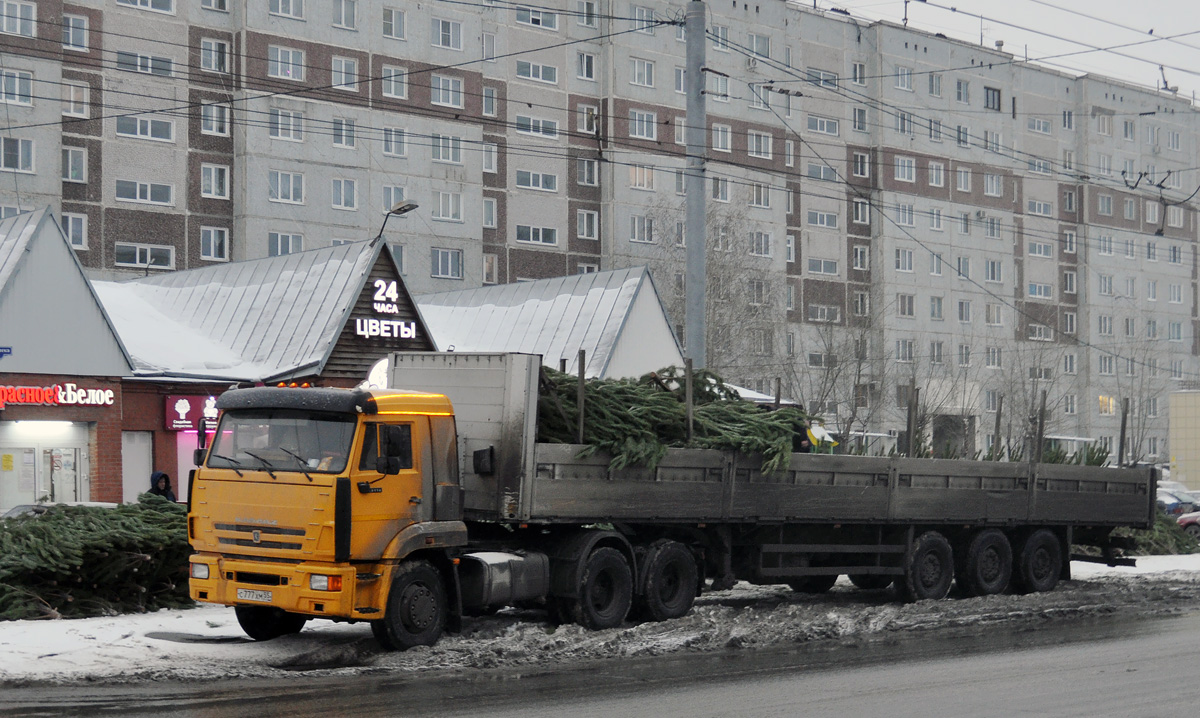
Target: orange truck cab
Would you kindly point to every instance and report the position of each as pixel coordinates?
(325, 503)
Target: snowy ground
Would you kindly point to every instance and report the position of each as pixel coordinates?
(205, 643)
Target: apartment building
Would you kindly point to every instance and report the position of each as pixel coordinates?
(889, 210)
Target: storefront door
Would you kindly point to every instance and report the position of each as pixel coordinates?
(43, 461)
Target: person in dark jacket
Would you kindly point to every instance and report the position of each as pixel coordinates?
(160, 484)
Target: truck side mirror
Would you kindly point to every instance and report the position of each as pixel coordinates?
(388, 465)
(198, 456)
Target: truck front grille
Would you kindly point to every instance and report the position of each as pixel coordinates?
(253, 536)
(258, 544)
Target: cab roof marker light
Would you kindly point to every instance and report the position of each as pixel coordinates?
(416, 413)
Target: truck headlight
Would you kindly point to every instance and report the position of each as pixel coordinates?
(200, 570)
(325, 583)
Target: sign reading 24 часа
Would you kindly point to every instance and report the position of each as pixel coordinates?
(387, 296)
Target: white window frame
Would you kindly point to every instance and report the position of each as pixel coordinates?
(209, 239)
(215, 181)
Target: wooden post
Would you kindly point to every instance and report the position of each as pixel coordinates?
(996, 441)
(581, 397)
(688, 396)
(1121, 441)
(911, 420)
(562, 365)
(778, 391)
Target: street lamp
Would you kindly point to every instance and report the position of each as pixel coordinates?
(400, 208)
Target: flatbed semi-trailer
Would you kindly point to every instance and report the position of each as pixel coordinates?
(409, 507)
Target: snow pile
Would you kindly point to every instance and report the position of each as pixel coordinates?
(206, 643)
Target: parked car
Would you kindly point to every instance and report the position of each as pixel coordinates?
(39, 509)
(1190, 522)
(1175, 503)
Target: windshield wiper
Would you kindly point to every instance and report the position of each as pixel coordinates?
(299, 459)
(266, 464)
(231, 460)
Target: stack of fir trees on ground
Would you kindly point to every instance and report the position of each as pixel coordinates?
(74, 561)
(635, 421)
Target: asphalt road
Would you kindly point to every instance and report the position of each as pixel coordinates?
(1119, 668)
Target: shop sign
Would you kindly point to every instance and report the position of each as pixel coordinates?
(66, 394)
(387, 296)
(184, 413)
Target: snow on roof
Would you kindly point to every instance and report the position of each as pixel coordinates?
(252, 320)
(553, 317)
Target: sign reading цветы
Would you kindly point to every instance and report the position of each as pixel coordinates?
(387, 294)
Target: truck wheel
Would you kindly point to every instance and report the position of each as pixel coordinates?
(1040, 562)
(605, 590)
(669, 586)
(987, 566)
(870, 581)
(262, 623)
(813, 584)
(928, 568)
(416, 608)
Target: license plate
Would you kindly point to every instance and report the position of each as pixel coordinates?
(246, 594)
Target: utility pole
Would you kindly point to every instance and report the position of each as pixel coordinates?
(696, 136)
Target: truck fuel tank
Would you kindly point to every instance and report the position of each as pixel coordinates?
(496, 578)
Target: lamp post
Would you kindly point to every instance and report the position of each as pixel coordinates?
(400, 208)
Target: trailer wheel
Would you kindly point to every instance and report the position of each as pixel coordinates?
(813, 584)
(262, 623)
(986, 568)
(416, 608)
(870, 581)
(928, 568)
(669, 583)
(1040, 562)
(605, 590)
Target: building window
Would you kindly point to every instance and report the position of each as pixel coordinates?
(395, 144)
(392, 195)
(146, 64)
(535, 126)
(904, 260)
(537, 235)
(287, 8)
(446, 263)
(538, 73)
(587, 224)
(537, 18)
(214, 244)
(146, 192)
(549, 182)
(345, 195)
(641, 229)
(75, 227)
(489, 102)
(214, 120)
(143, 255)
(343, 132)
(446, 148)
(643, 125)
(286, 125)
(74, 164)
(962, 177)
(586, 172)
(447, 206)
(993, 185)
(585, 66)
(906, 169)
(822, 125)
(641, 72)
(862, 164)
(758, 144)
(822, 219)
(720, 189)
(18, 18)
(214, 181)
(446, 91)
(146, 128)
(862, 211)
(74, 99)
(75, 32)
(393, 23)
(394, 82)
(447, 34)
(285, 187)
(284, 63)
(214, 56)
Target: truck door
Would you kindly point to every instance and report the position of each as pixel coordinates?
(385, 502)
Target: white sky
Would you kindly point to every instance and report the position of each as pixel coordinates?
(1043, 28)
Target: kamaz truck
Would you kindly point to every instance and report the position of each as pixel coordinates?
(411, 507)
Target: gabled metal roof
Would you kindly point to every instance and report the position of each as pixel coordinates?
(255, 320)
(553, 317)
(15, 234)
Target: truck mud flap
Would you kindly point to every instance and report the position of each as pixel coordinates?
(342, 520)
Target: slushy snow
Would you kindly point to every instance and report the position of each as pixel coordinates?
(206, 643)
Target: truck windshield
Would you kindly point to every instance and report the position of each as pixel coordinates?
(282, 440)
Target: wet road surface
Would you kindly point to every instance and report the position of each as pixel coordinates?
(1110, 667)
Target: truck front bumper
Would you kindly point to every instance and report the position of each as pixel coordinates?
(350, 591)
